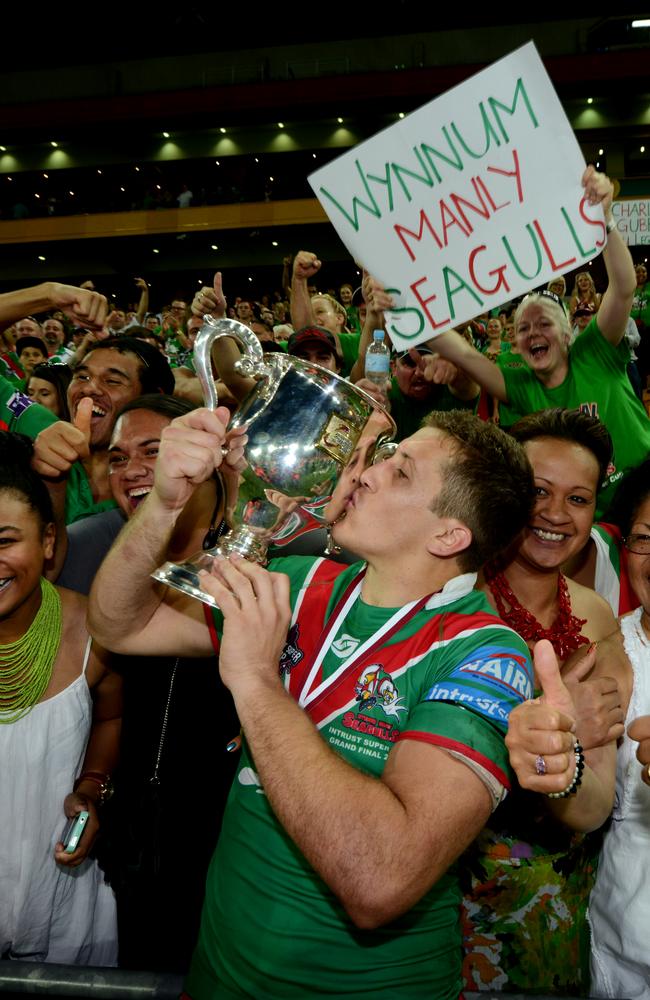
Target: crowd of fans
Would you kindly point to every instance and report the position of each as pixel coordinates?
(534, 420)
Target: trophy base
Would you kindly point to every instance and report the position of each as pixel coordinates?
(185, 576)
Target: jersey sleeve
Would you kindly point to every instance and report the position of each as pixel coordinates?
(471, 688)
(20, 413)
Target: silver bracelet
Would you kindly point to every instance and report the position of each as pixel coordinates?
(576, 780)
(610, 225)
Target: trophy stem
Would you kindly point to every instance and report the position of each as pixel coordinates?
(185, 576)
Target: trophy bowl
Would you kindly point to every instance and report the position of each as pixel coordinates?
(303, 422)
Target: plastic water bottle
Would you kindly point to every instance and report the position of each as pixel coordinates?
(377, 368)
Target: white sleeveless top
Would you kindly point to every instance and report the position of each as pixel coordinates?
(619, 910)
(49, 913)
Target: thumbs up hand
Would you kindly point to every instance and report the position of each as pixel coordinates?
(541, 733)
(639, 730)
(60, 445)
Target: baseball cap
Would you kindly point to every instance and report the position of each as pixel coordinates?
(422, 349)
(312, 335)
(28, 341)
(586, 309)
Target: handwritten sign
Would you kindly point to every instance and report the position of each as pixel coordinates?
(473, 199)
(632, 217)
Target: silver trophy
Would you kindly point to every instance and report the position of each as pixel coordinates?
(303, 423)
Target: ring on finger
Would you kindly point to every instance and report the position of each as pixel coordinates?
(540, 764)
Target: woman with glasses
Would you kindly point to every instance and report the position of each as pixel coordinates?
(619, 911)
(592, 375)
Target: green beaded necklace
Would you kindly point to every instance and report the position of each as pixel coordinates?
(26, 664)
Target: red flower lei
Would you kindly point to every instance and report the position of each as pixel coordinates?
(565, 632)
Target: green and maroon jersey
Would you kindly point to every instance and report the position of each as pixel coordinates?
(444, 670)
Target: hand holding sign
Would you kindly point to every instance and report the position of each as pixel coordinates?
(540, 734)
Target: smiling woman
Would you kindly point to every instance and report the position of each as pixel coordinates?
(524, 857)
(59, 728)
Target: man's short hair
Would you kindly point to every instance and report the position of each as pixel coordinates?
(154, 371)
(569, 425)
(488, 485)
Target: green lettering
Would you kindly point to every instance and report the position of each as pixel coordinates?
(489, 133)
(403, 311)
(497, 106)
(384, 180)
(576, 239)
(535, 241)
(461, 286)
(357, 203)
(430, 152)
(424, 178)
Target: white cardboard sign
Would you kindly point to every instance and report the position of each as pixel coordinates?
(469, 201)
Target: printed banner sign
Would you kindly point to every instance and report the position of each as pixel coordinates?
(471, 200)
(633, 220)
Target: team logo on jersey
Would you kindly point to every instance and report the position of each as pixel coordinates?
(345, 645)
(18, 403)
(376, 687)
(292, 654)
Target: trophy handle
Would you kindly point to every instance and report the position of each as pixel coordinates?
(252, 362)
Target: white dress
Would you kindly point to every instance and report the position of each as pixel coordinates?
(619, 909)
(49, 913)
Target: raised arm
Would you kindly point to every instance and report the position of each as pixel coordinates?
(617, 300)
(128, 612)
(305, 266)
(225, 351)
(143, 304)
(376, 301)
(476, 368)
(83, 306)
(410, 825)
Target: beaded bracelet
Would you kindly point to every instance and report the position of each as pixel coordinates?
(576, 780)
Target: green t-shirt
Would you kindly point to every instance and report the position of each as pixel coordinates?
(596, 383)
(271, 928)
(641, 305)
(350, 348)
(408, 413)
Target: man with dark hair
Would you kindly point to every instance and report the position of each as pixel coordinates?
(373, 731)
(110, 375)
(315, 344)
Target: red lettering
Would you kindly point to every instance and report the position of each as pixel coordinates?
(501, 281)
(448, 219)
(562, 266)
(424, 221)
(424, 304)
(481, 209)
(593, 222)
(516, 173)
(495, 207)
